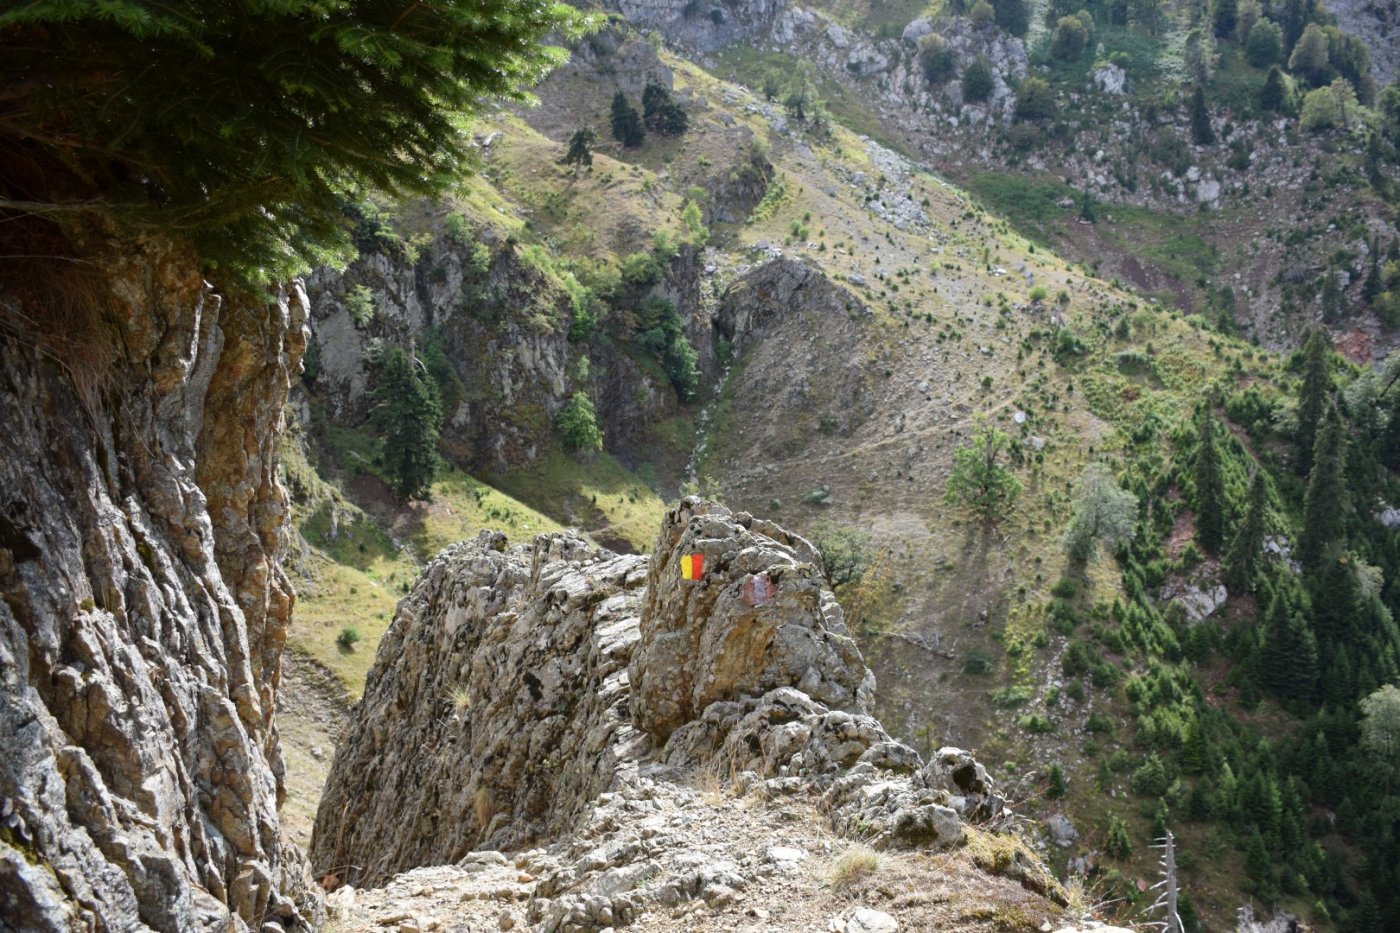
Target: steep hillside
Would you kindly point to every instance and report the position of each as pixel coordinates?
(806, 323)
(1242, 221)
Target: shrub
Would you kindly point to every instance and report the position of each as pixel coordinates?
(1069, 40)
(359, 304)
(936, 59)
(853, 865)
(577, 423)
(978, 81)
(347, 638)
(1034, 100)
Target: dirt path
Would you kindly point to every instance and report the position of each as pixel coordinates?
(312, 709)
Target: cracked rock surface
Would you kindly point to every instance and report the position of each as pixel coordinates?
(142, 613)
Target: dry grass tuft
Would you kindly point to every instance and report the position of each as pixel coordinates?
(854, 866)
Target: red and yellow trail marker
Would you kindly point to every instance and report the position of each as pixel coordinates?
(692, 566)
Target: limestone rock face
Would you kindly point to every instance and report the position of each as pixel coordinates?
(492, 710)
(560, 696)
(703, 26)
(758, 618)
(143, 615)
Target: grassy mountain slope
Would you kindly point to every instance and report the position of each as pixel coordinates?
(852, 314)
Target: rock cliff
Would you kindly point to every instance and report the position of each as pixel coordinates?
(555, 694)
(143, 611)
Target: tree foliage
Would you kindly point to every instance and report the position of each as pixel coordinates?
(1103, 512)
(1264, 46)
(1070, 38)
(1314, 396)
(243, 127)
(1034, 100)
(577, 423)
(1311, 56)
(661, 112)
(1273, 95)
(1380, 725)
(978, 81)
(1324, 508)
(979, 481)
(845, 553)
(580, 152)
(627, 126)
(1201, 132)
(1210, 487)
(1245, 554)
(1013, 16)
(409, 414)
(938, 62)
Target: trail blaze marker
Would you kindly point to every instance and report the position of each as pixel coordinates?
(692, 566)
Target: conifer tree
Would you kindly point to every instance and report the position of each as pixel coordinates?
(1314, 395)
(408, 411)
(580, 153)
(661, 113)
(1201, 132)
(242, 125)
(1210, 488)
(1223, 16)
(1274, 93)
(1288, 665)
(627, 125)
(1245, 554)
(1324, 507)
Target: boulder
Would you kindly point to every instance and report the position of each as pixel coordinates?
(758, 618)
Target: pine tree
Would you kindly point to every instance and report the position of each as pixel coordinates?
(1201, 132)
(1324, 507)
(580, 154)
(409, 413)
(627, 125)
(1223, 15)
(1313, 397)
(1288, 663)
(654, 95)
(1210, 488)
(1333, 301)
(242, 125)
(1274, 93)
(1245, 554)
(661, 113)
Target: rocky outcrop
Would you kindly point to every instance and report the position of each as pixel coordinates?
(491, 715)
(703, 25)
(759, 618)
(1373, 22)
(499, 330)
(556, 694)
(143, 613)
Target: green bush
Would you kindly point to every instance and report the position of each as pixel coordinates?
(978, 82)
(359, 304)
(577, 423)
(347, 638)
